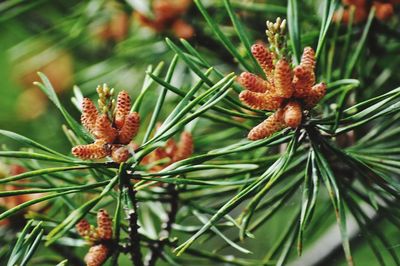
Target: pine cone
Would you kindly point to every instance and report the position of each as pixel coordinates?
(104, 129)
(185, 147)
(89, 115)
(120, 154)
(83, 228)
(97, 255)
(316, 94)
(302, 81)
(283, 79)
(260, 101)
(95, 150)
(122, 109)
(104, 225)
(268, 127)
(254, 83)
(293, 114)
(264, 58)
(130, 128)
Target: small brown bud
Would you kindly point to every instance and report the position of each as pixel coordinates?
(260, 101)
(185, 147)
(120, 154)
(302, 81)
(268, 127)
(89, 115)
(104, 129)
(97, 255)
(83, 228)
(104, 225)
(182, 29)
(308, 59)
(264, 58)
(254, 83)
(292, 114)
(384, 11)
(95, 150)
(130, 128)
(122, 109)
(283, 79)
(316, 94)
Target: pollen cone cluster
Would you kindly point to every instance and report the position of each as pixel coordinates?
(168, 17)
(384, 10)
(172, 152)
(113, 129)
(98, 238)
(288, 91)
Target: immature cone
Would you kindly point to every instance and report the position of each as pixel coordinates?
(120, 154)
(268, 127)
(308, 58)
(83, 228)
(95, 150)
(283, 79)
(104, 225)
(130, 128)
(104, 129)
(317, 92)
(181, 29)
(96, 255)
(89, 115)
(254, 83)
(122, 109)
(260, 101)
(185, 147)
(302, 81)
(264, 58)
(383, 10)
(292, 114)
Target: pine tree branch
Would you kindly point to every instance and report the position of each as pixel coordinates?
(157, 249)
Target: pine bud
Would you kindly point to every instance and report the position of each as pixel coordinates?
(283, 79)
(308, 58)
(260, 101)
(122, 109)
(83, 228)
(302, 81)
(185, 147)
(384, 11)
(292, 114)
(89, 115)
(95, 150)
(104, 225)
(264, 58)
(96, 255)
(104, 129)
(254, 83)
(130, 128)
(316, 94)
(120, 154)
(268, 127)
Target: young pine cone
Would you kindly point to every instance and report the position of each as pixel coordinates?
(308, 59)
(83, 228)
(122, 109)
(104, 129)
(283, 79)
(89, 115)
(130, 128)
(302, 81)
(96, 150)
(292, 114)
(269, 126)
(260, 101)
(317, 92)
(185, 147)
(97, 255)
(104, 225)
(120, 154)
(264, 58)
(254, 83)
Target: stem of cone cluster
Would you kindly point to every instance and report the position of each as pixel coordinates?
(132, 216)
